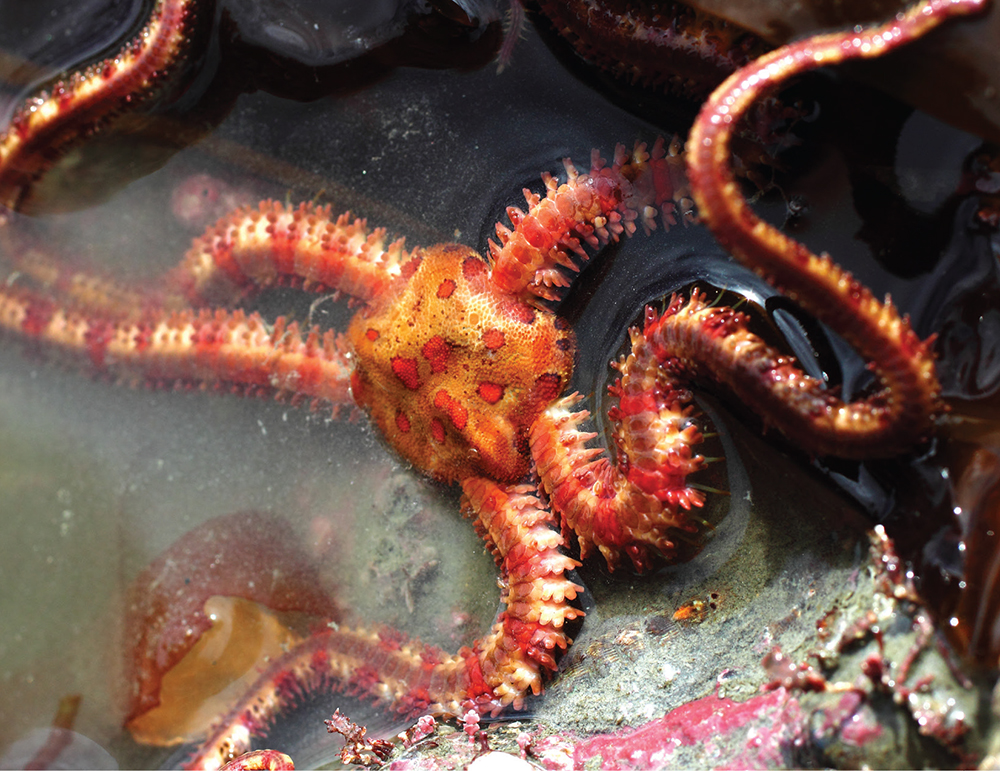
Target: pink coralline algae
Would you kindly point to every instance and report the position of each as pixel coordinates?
(767, 728)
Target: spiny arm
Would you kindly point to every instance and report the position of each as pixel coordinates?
(47, 126)
(414, 678)
(220, 350)
(697, 341)
(411, 677)
(248, 250)
(31, 268)
(903, 363)
(585, 212)
(519, 531)
(636, 507)
(305, 246)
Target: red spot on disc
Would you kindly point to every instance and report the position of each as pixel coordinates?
(490, 392)
(402, 423)
(437, 351)
(372, 334)
(456, 411)
(406, 371)
(437, 430)
(493, 339)
(446, 288)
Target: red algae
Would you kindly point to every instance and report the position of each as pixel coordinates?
(767, 725)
